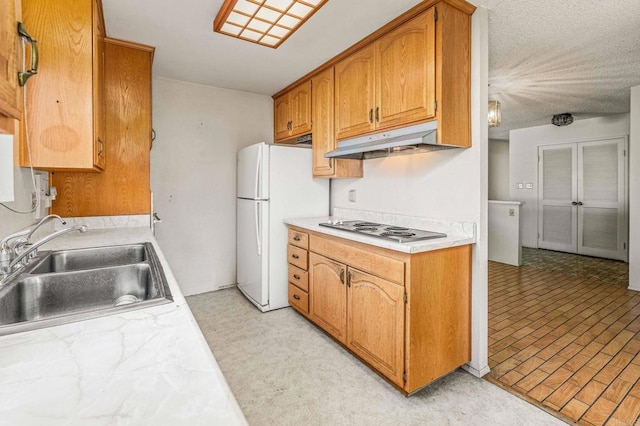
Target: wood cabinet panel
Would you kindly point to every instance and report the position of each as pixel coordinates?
(10, 55)
(299, 239)
(300, 99)
(297, 256)
(354, 94)
(281, 117)
(439, 314)
(405, 79)
(124, 187)
(299, 277)
(384, 267)
(63, 123)
(299, 299)
(324, 139)
(328, 299)
(375, 322)
(292, 113)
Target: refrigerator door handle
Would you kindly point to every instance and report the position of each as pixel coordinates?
(258, 167)
(257, 214)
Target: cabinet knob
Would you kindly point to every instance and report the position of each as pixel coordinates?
(295, 296)
(295, 256)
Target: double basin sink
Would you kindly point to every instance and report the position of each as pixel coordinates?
(72, 285)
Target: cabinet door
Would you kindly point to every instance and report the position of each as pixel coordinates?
(328, 295)
(60, 96)
(405, 73)
(354, 97)
(281, 117)
(99, 151)
(323, 134)
(10, 105)
(300, 99)
(376, 322)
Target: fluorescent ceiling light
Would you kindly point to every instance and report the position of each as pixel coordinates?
(266, 22)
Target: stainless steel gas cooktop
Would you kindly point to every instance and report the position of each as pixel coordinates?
(379, 230)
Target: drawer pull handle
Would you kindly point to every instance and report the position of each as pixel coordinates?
(295, 256)
(296, 276)
(295, 296)
(296, 238)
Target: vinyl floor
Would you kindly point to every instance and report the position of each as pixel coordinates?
(565, 335)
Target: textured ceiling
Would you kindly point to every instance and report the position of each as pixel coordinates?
(545, 56)
(548, 57)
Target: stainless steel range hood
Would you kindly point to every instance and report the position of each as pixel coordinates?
(407, 140)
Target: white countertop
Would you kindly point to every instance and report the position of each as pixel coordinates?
(458, 234)
(150, 366)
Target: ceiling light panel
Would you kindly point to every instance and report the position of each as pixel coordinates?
(266, 22)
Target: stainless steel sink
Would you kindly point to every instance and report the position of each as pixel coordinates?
(72, 285)
(90, 258)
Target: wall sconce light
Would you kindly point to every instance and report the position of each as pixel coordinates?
(495, 114)
(562, 119)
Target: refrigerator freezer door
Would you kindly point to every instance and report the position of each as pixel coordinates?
(253, 250)
(253, 172)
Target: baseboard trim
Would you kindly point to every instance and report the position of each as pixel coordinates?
(478, 373)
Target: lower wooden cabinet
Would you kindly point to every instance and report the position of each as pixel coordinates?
(375, 322)
(408, 316)
(328, 295)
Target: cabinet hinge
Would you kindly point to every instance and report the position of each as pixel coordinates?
(435, 16)
(404, 376)
(405, 298)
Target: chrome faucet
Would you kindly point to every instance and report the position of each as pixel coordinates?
(42, 221)
(12, 243)
(33, 247)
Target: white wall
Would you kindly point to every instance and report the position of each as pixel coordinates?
(523, 159)
(498, 170)
(634, 191)
(9, 221)
(193, 175)
(449, 184)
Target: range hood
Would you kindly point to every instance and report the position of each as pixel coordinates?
(407, 140)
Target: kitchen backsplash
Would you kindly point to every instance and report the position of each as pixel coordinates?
(105, 222)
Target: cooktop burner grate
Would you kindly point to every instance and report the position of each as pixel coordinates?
(398, 234)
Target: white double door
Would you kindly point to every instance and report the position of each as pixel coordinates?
(582, 199)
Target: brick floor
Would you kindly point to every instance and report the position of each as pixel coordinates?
(567, 341)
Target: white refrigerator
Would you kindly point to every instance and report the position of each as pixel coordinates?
(274, 182)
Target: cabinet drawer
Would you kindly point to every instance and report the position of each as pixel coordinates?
(298, 299)
(299, 277)
(375, 264)
(297, 256)
(299, 239)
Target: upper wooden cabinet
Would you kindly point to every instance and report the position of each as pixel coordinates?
(415, 69)
(10, 91)
(391, 82)
(65, 100)
(322, 108)
(292, 113)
